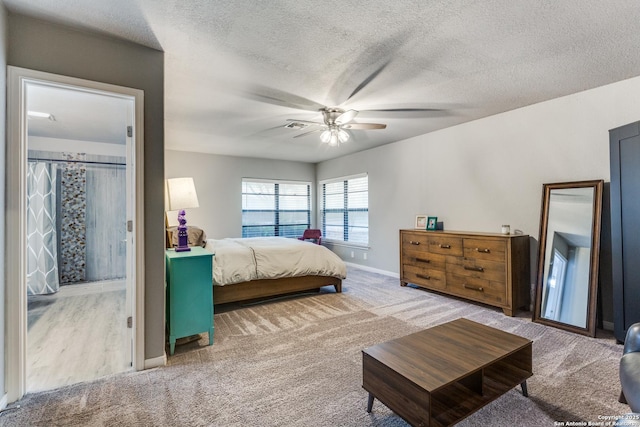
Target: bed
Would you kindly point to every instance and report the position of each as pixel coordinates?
(259, 267)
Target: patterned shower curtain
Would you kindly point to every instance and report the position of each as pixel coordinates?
(42, 259)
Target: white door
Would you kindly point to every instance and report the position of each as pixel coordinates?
(19, 83)
(555, 284)
(129, 226)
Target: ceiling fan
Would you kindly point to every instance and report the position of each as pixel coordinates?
(338, 122)
(336, 125)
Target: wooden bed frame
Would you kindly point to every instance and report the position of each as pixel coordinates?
(271, 287)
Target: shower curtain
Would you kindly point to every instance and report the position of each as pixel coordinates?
(42, 259)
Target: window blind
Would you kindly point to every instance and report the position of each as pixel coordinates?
(344, 209)
(275, 208)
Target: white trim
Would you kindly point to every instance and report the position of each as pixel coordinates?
(138, 161)
(3, 401)
(15, 257)
(156, 361)
(343, 178)
(345, 244)
(87, 147)
(277, 181)
(16, 303)
(374, 270)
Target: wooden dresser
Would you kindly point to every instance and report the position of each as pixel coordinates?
(484, 267)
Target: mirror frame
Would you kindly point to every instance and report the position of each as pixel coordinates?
(597, 185)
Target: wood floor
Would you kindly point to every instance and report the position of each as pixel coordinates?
(78, 334)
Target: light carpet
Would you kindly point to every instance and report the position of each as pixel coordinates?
(298, 362)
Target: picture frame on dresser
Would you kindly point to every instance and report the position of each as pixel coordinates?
(421, 222)
(432, 223)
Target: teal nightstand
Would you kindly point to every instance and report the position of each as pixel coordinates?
(189, 294)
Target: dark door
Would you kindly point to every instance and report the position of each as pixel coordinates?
(625, 226)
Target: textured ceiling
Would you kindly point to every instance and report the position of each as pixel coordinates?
(236, 69)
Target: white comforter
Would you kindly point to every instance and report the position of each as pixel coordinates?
(241, 260)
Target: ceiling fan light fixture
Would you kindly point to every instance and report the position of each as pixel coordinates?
(336, 123)
(343, 135)
(334, 136)
(325, 136)
(333, 141)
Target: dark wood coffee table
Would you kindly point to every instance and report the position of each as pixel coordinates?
(443, 374)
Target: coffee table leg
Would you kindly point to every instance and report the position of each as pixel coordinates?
(370, 403)
(525, 393)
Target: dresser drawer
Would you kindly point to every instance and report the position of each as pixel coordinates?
(445, 245)
(415, 242)
(424, 259)
(480, 290)
(473, 267)
(493, 250)
(430, 278)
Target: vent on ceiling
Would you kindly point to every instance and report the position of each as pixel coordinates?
(295, 125)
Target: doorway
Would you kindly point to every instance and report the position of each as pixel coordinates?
(77, 148)
(556, 284)
(75, 155)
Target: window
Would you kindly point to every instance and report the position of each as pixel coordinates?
(275, 208)
(344, 209)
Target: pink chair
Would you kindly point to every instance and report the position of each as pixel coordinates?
(312, 234)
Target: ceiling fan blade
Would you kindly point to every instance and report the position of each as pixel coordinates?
(405, 109)
(368, 80)
(363, 68)
(307, 133)
(410, 111)
(305, 121)
(364, 126)
(346, 117)
(282, 98)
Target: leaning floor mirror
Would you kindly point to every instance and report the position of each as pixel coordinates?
(566, 289)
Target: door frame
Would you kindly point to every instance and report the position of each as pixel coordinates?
(16, 244)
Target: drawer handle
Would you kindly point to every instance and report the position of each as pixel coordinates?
(422, 276)
(473, 268)
(414, 243)
(473, 288)
(445, 246)
(484, 251)
(423, 260)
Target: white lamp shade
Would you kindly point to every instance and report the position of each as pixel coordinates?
(325, 136)
(343, 136)
(333, 141)
(181, 193)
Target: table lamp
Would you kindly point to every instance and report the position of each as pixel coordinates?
(181, 194)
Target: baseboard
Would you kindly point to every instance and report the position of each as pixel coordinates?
(374, 270)
(3, 401)
(156, 361)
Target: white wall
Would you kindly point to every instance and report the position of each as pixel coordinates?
(488, 172)
(218, 181)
